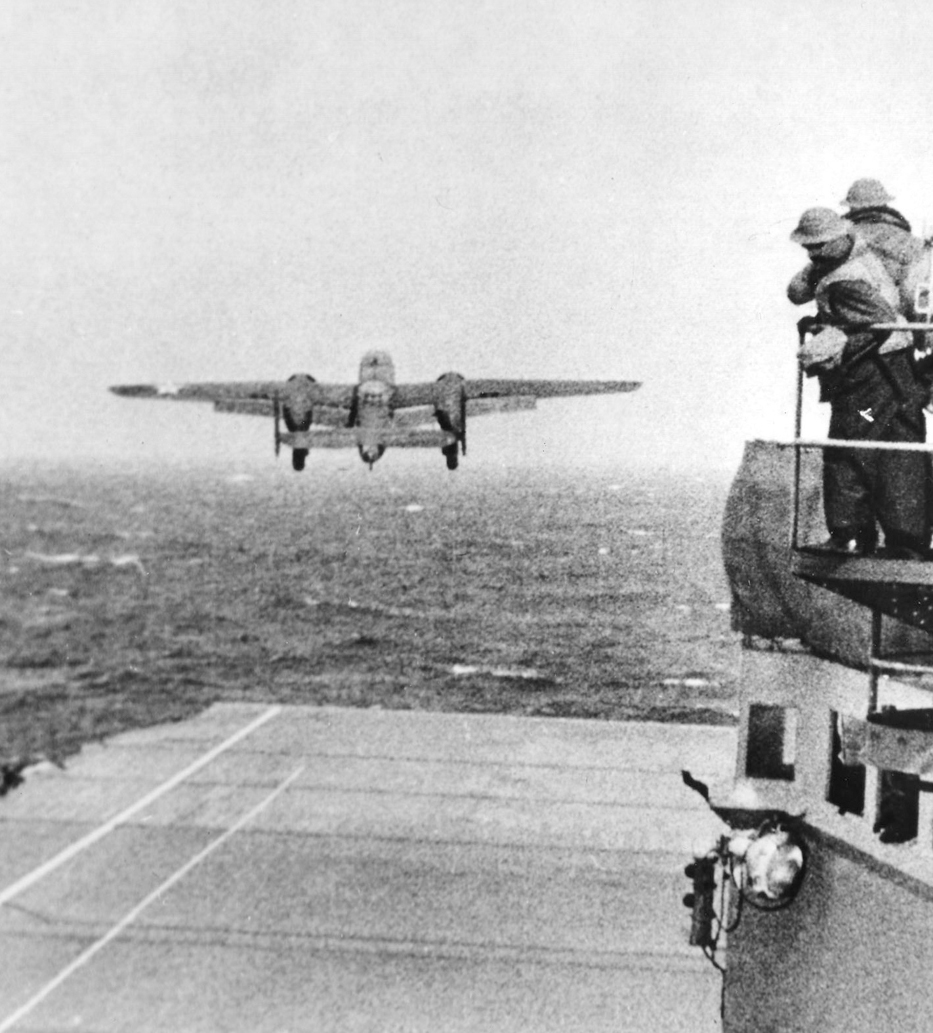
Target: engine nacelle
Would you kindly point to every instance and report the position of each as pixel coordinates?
(450, 407)
(298, 401)
(297, 409)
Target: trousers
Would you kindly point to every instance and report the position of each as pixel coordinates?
(863, 489)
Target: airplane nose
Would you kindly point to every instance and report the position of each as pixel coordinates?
(370, 451)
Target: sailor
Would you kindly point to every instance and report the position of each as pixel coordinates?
(883, 228)
(906, 258)
(889, 235)
(871, 382)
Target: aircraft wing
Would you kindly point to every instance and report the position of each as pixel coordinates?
(507, 403)
(414, 416)
(246, 406)
(338, 395)
(407, 395)
(326, 416)
(418, 415)
(546, 388)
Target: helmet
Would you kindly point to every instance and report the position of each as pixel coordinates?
(866, 193)
(817, 225)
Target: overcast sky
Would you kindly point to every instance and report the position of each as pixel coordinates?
(237, 189)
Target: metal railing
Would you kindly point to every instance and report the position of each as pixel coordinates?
(799, 444)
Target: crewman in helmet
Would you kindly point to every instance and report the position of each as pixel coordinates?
(871, 382)
(906, 258)
(887, 233)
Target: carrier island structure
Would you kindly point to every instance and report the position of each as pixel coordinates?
(835, 738)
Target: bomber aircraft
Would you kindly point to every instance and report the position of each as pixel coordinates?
(375, 412)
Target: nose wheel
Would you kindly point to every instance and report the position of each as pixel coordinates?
(450, 454)
(299, 455)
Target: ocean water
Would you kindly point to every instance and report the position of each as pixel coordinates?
(129, 597)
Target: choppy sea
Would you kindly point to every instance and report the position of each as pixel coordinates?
(133, 596)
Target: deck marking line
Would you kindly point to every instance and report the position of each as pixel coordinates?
(98, 945)
(75, 848)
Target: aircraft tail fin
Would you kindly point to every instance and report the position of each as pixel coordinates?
(348, 438)
(418, 439)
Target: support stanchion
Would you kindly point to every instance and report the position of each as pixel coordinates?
(873, 672)
(798, 422)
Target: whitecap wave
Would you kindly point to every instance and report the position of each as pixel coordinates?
(83, 559)
(461, 670)
(64, 559)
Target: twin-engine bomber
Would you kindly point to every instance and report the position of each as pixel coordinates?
(375, 412)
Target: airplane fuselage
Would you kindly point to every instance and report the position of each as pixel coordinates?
(372, 411)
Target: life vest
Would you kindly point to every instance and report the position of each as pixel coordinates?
(863, 264)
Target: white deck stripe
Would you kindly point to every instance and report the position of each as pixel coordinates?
(82, 959)
(59, 859)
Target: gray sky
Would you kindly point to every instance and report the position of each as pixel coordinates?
(236, 189)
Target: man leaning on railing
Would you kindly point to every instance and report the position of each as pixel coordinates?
(874, 386)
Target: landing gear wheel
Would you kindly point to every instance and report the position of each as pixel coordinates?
(299, 455)
(450, 454)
